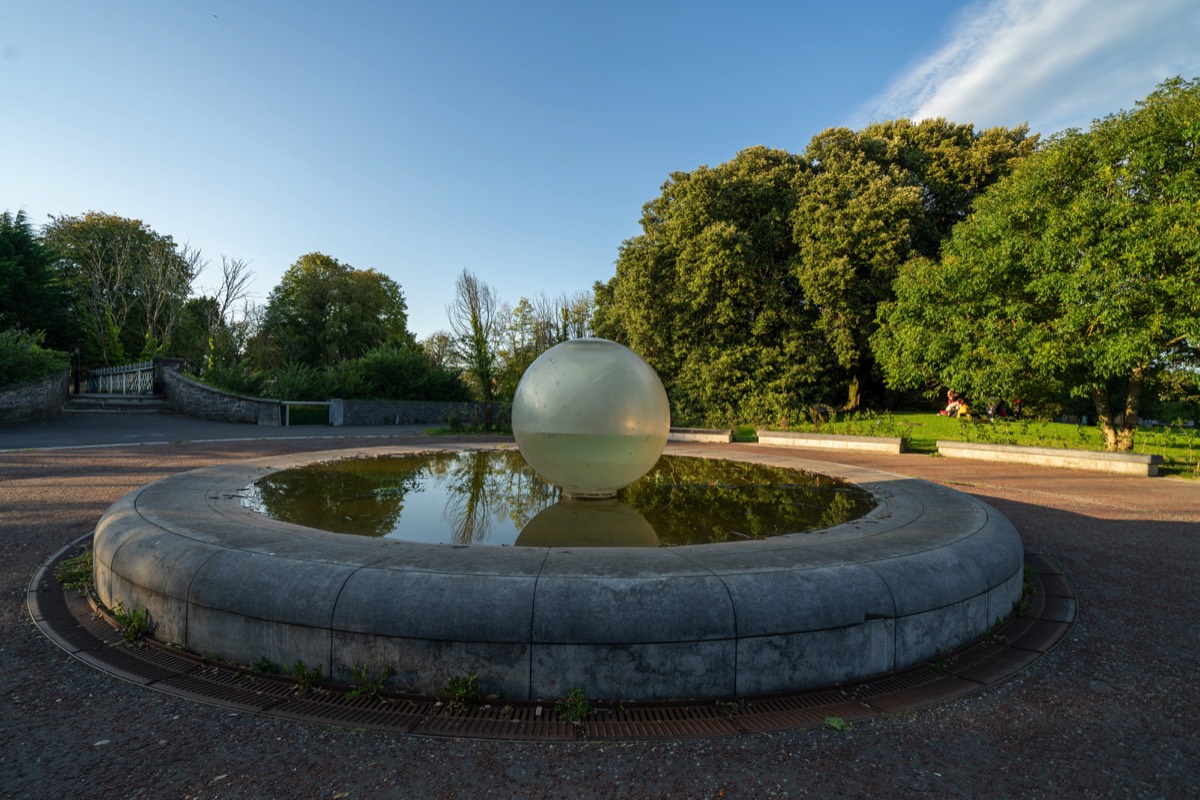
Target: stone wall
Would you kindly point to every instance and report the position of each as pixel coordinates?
(197, 400)
(31, 401)
(405, 412)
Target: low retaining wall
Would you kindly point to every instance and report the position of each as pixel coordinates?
(1124, 463)
(32, 401)
(830, 441)
(704, 435)
(197, 400)
(405, 412)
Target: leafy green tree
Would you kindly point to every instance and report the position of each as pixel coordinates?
(129, 281)
(706, 294)
(32, 296)
(872, 200)
(1078, 274)
(323, 312)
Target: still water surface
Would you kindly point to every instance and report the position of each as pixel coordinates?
(494, 497)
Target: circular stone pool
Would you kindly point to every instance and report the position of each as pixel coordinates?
(928, 569)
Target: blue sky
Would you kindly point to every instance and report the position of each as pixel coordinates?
(517, 140)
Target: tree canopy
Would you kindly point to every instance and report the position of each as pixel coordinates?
(323, 312)
(753, 286)
(128, 281)
(1077, 274)
(32, 295)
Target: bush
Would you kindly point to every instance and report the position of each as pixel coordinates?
(301, 382)
(405, 373)
(385, 373)
(24, 360)
(236, 379)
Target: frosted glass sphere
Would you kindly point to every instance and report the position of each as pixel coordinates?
(590, 416)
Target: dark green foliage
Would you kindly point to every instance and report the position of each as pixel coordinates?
(128, 284)
(405, 373)
(753, 287)
(24, 360)
(301, 382)
(386, 373)
(237, 379)
(32, 296)
(1078, 275)
(324, 312)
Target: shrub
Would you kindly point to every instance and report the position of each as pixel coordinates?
(24, 360)
(236, 379)
(301, 382)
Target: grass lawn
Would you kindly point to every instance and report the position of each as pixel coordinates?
(1179, 446)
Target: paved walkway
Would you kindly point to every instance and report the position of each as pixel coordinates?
(1109, 713)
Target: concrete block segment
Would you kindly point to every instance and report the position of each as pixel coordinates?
(702, 435)
(1122, 463)
(927, 570)
(830, 441)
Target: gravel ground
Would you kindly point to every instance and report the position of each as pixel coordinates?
(1109, 713)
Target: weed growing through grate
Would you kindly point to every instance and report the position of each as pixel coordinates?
(364, 684)
(1028, 590)
(460, 690)
(265, 666)
(75, 573)
(573, 708)
(308, 677)
(838, 724)
(135, 623)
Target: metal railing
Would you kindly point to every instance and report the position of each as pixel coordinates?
(128, 379)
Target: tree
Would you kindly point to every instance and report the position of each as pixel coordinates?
(476, 328)
(129, 281)
(32, 296)
(439, 349)
(323, 312)
(872, 200)
(854, 224)
(1077, 274)
(534, 326)
(706, 294)
(220, 327)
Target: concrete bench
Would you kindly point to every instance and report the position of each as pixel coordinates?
(706, 435)
(1124, 463)
(831, 441)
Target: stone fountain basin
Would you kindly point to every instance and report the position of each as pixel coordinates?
(929, 569)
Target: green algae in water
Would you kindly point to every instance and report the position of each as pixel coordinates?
(491, 497)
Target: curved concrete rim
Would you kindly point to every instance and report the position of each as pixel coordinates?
(928, 570)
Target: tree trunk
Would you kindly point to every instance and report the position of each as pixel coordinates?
(854, 396)
(1133, 404)
(1104, 417)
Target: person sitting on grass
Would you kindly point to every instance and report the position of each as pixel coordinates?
(954, 404)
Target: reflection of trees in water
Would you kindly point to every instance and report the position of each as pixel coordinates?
(488, 487)
(691, 500)
(361, 496)
(686, 500)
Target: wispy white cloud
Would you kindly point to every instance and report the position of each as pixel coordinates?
(1052, 63)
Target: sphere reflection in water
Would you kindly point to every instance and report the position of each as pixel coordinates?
(590, 416)
(594, 523)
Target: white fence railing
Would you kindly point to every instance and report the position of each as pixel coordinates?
(128, 379)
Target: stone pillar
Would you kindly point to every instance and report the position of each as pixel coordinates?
(337, 412)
